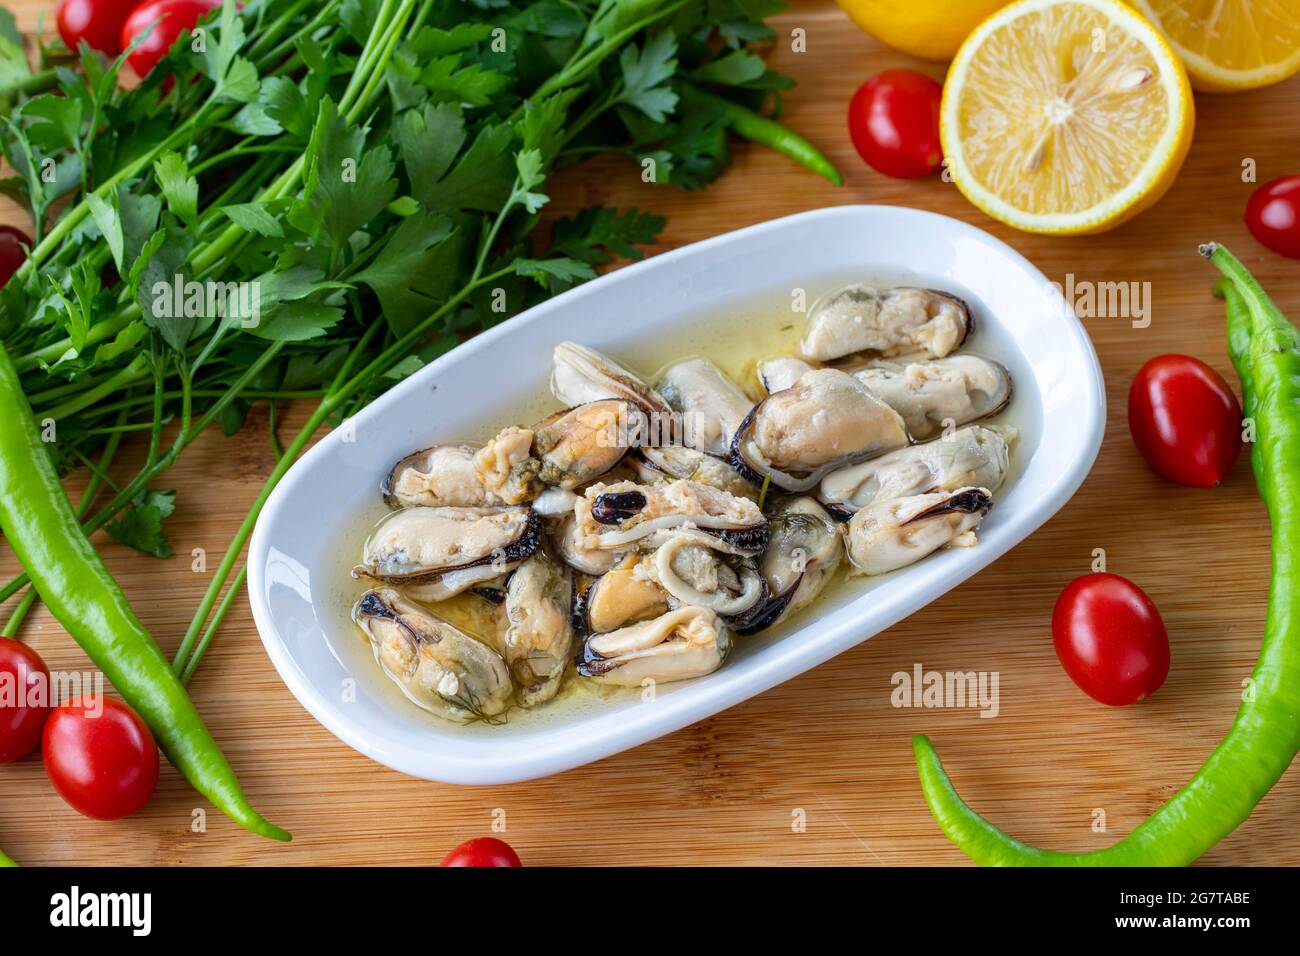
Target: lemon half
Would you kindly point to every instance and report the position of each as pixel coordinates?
(1065, 116)
(1230, 44)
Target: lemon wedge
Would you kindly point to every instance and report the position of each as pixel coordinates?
(1065, 116)
(1230, 45)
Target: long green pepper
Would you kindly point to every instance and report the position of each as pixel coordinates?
(67, 572)
(1265, 736)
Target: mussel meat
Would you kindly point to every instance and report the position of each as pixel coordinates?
(894, 533)
(710, 405)
(625, 513)
(824, 421)
(973, 456)
(900, 321)
(694, 573)
(438, 477)
(778, 374)
(623, 595)
(439, 667)
(538, 640)
(940, 393)
(563, 450)
(666, 462)
(683, 643)
(581, 375)
(439, 552)
(805, 550)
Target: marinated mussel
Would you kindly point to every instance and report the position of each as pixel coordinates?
(894, 533)
(678, 461)
(626, 513)
(826, 420)
(564, 450)
(804, 552)
(581, 375)
(693, 572)
(538, 640)
(438, 552)
(710, 406)
(941, 393)
(623, 595)
(778, 374)
(683, 643)
(438, 477)
(439, 667)
(860, 319)
(971, 456)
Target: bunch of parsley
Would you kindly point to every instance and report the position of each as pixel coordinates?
(376, 168)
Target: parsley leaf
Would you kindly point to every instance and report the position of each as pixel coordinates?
(645, 75)
(140, 525)
(597, 234)
(400, 276)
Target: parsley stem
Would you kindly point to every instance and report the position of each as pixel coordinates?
(187, 434)
(211, 630)
(336, 398)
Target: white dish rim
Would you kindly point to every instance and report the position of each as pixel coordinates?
(783, 660)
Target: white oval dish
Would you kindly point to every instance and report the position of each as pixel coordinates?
(294, 555)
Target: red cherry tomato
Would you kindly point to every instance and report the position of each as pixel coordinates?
(1110, 639)
(14, 244)
(1184, 420)
(98, 22)
(894, 123)
(174, 16)
(100, 756)
(1273, 215)
(24, 699)
(483, 851)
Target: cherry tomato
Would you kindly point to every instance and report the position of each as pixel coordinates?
(1184, 420)
(100, 756)
(24, 699)
(174, 16)
(1273, 215)
(1110, 639)
(98, 22)
(14, 244)
(894, 123)
(483, 851)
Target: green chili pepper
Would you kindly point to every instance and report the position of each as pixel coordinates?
(1265, 349)
(41, 527)
(757, 128)
(5, 861)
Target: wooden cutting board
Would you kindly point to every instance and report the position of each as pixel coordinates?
(820, 769)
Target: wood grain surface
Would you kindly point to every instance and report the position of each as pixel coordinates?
(827, 748)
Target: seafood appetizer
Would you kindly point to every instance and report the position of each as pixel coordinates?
(650, 525)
